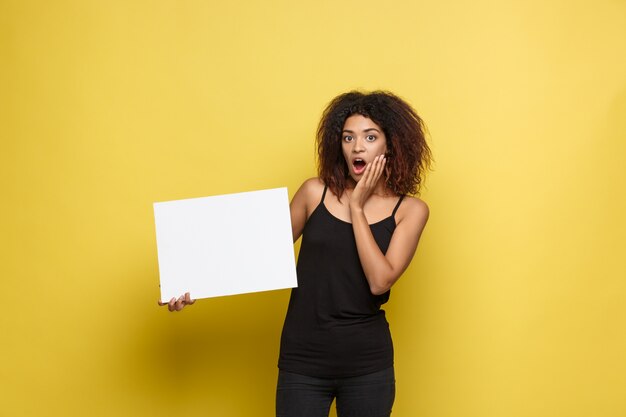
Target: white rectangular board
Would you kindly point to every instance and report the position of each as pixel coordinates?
(226, 244)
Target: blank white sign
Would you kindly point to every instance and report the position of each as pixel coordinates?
(225, 245)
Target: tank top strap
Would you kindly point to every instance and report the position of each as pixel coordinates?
(323, 194)
(393, 214)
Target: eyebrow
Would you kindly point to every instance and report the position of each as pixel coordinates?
(366, 130)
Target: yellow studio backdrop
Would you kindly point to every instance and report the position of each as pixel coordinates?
(514, 304)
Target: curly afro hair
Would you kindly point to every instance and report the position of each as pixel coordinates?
(408, 157)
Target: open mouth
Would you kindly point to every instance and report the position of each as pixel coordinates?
(358, 165)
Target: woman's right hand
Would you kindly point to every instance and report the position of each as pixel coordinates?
(178, 304)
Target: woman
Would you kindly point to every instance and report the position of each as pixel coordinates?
(359, 233)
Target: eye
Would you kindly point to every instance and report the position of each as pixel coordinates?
(347, 138)
(370, 138)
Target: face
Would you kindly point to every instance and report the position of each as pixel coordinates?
(361, 141)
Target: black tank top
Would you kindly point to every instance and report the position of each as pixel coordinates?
(334, 325)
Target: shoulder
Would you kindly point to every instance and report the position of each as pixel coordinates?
(312, 185)
(310, 192)
(413, 210)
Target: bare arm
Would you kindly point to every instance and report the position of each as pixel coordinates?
(303, 202)
(383, 270)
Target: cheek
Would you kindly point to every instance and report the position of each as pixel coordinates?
(344, 152)
(382, 148)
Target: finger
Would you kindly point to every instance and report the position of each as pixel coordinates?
(180, 303)
(379, 168)
(171, 306)
(366, 173)
(378, 161)
(373, 167)
(188, 299)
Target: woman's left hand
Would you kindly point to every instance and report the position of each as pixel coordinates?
(366, 185)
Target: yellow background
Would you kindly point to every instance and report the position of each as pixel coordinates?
(515, 303)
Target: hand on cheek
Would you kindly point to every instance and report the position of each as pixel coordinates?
(366, 185)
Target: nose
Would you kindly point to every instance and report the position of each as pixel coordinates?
(358, 145)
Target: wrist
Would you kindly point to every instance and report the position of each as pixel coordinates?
(355, 210)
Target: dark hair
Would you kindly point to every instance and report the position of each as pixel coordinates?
(408, 156)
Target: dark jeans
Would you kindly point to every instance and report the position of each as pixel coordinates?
(368, 395)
